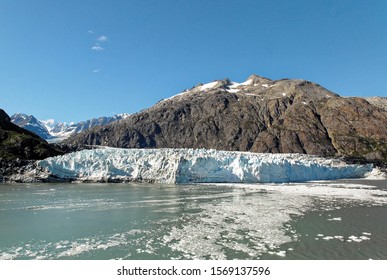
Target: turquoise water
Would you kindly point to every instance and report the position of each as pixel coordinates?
(320, 220)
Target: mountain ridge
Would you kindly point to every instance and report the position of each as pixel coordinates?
(258, 115)
(19, 143)
(57, 131)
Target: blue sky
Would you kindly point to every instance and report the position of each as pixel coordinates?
(73, 60)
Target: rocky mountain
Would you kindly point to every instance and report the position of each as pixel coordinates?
(380, 102)
(16, 142)
(258, 115)
(84, 125)
(58, 131)
(31, 123)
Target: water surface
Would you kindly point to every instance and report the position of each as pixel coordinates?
(316, 220)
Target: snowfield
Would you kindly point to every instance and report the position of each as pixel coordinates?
(195, 166)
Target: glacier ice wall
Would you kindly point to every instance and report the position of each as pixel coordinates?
(195, 166)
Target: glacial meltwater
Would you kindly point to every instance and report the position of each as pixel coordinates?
(345, 219)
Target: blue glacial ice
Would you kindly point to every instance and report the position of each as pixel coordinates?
(195, 166)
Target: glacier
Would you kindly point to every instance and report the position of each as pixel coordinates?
(182, 166)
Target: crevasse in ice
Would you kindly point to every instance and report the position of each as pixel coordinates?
(196, 166)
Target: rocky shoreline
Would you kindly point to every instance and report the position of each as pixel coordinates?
(10, 168)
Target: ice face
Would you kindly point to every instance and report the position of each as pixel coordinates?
(196, 166)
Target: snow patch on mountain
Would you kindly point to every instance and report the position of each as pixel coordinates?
(248, 82)
(208, 85)
(195, 166)
(49, 124)
(227, 86)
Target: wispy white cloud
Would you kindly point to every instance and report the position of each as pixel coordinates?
(100, 41)
(103, 38)
(97, 48)
(96, 70)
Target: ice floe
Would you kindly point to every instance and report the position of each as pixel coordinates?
(335, 219)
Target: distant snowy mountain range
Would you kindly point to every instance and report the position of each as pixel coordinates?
(53, 131)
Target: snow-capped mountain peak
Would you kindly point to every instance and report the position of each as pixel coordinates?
(253, 83)
(54, 131)
(31, 123)
(123, 115)
(49, 124)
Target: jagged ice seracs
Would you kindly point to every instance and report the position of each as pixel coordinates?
(196, 166)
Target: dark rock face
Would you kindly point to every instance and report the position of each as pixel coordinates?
(19, 143)
(259, 115)
(11, 167)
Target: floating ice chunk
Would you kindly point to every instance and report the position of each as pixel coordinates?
(335, 219)
(376, 174)
(328, 238)
(366, 233)
(281, 254)
(354, 238)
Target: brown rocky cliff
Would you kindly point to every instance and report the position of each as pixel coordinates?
(356, 127)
